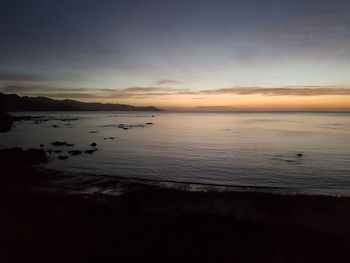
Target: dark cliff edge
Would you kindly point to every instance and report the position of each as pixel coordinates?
(13, 102)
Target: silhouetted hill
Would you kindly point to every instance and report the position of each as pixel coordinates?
(13, 102)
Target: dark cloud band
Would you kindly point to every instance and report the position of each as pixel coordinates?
(154, 92)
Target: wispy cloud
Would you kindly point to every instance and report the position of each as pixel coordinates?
(83, 93)
(35, 89)
(283, 91)
(72, 95)
(139, 89)
(169, 82)
(161, 92)
(4, 77)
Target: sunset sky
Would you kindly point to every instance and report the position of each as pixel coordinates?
(184, 54)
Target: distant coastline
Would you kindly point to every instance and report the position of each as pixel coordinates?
(15, 103)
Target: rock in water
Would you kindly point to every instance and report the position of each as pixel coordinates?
(62, 157)
(75, 152)
(59, 143)
(5, 122)
(93, 144)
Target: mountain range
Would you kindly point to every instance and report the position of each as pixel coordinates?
(13, 102)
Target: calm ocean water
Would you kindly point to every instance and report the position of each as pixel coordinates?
(248, 149)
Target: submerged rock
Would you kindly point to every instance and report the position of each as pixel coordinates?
(59, 143)
(68, 119)
(110, 138)
(22, 118)
(89, 151)
(299, 154)
(62, 157)
(93, 144)
(55, 126)
(75, 152)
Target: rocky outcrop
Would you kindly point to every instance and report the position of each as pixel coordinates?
(62, 144)
(6, 122)
(62, 157)
(75, 152)
(59, 143)
(20, 157)
(17, 164)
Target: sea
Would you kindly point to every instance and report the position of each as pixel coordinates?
(308, 152)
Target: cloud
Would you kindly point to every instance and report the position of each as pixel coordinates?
(83, 93)
(68, 95)
(21, 77)
(169, 82)
(18, 89)
(162, 92)
(283, 91)
(140, 89)
(45, 89)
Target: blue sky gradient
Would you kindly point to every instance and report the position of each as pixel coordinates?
(91, 47)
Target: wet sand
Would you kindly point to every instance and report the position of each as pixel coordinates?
(49, 217)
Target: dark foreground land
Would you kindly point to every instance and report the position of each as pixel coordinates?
(48, 217)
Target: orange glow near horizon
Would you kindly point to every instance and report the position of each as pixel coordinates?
(240, 102)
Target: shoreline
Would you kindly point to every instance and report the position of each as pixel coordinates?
(56, 216)
(94, 218)
(196, 186)
(231, 200)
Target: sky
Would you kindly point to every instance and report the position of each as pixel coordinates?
(180, 55)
